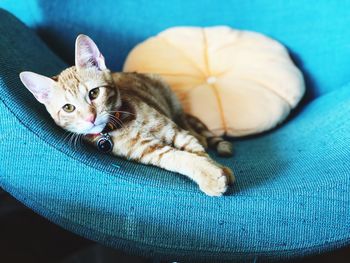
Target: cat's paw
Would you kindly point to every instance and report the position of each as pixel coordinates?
(214, 181)
(227, 171)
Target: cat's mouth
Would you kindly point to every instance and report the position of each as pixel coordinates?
(106, 123)
(96, 129)
(98, 126)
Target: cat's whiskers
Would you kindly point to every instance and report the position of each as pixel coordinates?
(116, 120)
(66, 135)
(112, 118)
(112, 115)
(118, 111)
(77, 141)
(71, 138)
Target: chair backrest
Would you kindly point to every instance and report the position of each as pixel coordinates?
(317, 34)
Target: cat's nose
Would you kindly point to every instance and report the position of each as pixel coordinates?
(91, 118)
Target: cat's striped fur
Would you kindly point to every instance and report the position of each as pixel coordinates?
(156, 131)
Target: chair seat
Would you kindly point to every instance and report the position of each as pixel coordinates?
(291, 196)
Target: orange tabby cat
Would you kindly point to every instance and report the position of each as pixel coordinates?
(140, 115)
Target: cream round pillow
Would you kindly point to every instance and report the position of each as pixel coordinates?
(237, 82)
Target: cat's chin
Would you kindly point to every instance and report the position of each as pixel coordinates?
(96, 129)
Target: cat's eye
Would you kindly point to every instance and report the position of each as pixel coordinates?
(93, 94)
(68, 108)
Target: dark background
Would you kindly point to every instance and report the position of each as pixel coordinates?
(28, 237)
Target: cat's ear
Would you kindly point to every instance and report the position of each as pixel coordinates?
(39, 85)
(87, 54)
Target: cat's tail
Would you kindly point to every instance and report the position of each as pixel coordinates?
(223, 148)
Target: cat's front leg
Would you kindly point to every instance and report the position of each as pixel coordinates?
(184, 140)
(211, 178)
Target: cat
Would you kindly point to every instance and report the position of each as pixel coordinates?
(145, 119)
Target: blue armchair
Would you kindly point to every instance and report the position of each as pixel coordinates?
(292, 195)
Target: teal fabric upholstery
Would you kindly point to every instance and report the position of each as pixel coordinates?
(291, 197)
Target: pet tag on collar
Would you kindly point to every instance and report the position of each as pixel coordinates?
(104, 143)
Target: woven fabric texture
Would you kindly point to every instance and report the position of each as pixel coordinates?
(292, 192)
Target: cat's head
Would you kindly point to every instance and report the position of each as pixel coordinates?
(81, 97)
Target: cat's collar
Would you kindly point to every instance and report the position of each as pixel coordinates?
(103, 140)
